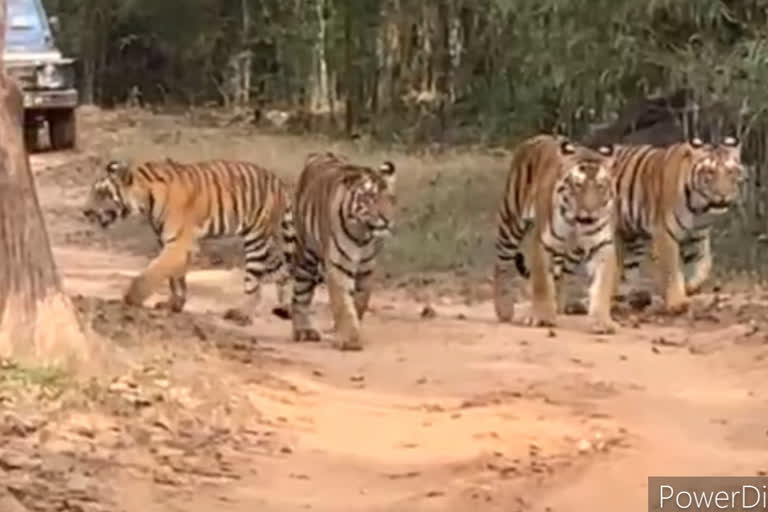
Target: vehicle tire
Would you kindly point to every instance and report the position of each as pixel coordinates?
(61, 124)
(31, 132)
(31, 138)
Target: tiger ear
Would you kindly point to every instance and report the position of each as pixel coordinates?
(120, 170)
(387, 169)
(606, 150)
(567, 147)
(696, 142)
(730, 141)
(387, 172)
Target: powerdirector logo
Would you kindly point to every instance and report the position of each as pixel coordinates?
(707, 493)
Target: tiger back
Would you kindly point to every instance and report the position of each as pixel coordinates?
(187, 202)
(556, 214)
(342, 213)
(668, 199)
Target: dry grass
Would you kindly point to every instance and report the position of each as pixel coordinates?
(447, 202)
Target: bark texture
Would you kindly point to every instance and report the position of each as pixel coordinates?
(38, 323)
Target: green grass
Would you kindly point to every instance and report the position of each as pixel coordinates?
(13, 375)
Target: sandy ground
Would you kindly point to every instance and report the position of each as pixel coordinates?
(446, 411)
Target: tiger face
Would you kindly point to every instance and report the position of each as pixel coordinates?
(586, 192)
(372, 200)
(717, 176)
(106, 201)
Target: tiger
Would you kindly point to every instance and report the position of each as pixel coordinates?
(187, 202)
(342, 214)
(668, 197)
(557, 213)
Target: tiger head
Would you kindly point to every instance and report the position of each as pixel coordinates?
(717, 175)
(372, 199)
(108, 199)
(585, 192)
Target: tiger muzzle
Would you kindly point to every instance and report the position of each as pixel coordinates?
(586, 219)
(720, 201)
(381, 226)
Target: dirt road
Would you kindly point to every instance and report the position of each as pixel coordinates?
(450, 411)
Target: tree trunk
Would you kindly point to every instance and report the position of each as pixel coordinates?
(388, 55)
(244, 100)
(348, 79)
(37, 320)
(320, 95)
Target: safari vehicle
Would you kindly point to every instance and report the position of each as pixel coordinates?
(46, 78)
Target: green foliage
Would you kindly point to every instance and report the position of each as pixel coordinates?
(460, 70)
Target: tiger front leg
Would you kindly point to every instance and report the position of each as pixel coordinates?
(305, 280)
(603, 270)
(701, 267)
(543, 289)
(341, 288)
(170, 264)
(511, 254)
(669, 272)
(362, 294)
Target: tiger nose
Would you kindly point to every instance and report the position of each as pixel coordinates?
(586, 217)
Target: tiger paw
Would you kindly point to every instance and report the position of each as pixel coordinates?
(282, 312)
(603, 327)
(300, 335)
(539, 321)
(678, 307)
(174, 306)
(575, 307)
(504, 306)
(352, 343)
(505, 315)
(131, 299)
(237, 316)
(137, 292)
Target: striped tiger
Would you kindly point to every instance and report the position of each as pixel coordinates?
(342, 212)
(187, 202)
(667, 200)
(556, 214)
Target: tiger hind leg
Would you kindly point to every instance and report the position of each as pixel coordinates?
(263, 263)
(283, 288)
(178, 297)
(170, 263)
(504, 293)
(283, 283)
(510, 261)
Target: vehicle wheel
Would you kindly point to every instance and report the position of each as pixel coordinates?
(31, 132)
(62, 129)
(31, 138)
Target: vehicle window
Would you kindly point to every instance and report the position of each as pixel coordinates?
(24, 24)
